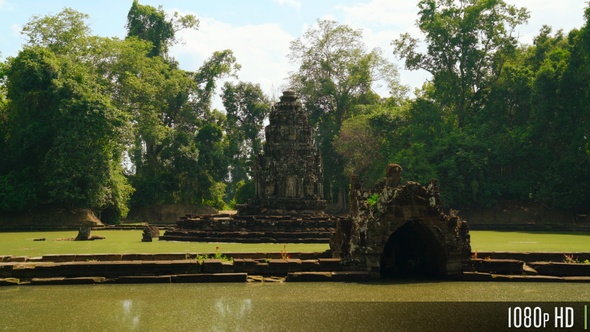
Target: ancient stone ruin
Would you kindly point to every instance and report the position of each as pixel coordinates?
(400, 230)
(288, 174)
(84, 231)
(149, 233)
(288, 203)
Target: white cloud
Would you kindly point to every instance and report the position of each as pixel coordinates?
(16, 30)
(382, 21)
(562, 14)
(399, 15)
(261, 50)
(292, 3)
(5, 5)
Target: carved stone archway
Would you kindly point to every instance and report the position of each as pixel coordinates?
(413, 250)
(400, 230)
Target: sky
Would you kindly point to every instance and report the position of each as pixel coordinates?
(260, 31)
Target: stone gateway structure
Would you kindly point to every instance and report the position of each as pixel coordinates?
(288, 174)
(400, 230)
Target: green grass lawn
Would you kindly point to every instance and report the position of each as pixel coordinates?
(129, 241)
(529, 241)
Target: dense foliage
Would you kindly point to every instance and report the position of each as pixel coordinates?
(110, 124)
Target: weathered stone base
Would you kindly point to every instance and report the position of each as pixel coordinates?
(253, 229)
(481, 276)
(249, 267)
(165, 268)
(526, 266)
(301, 207)
(349, 276)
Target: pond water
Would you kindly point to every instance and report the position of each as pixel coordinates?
(392, 305)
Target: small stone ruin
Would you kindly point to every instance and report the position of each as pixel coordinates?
(400, 230)
(84, 231)
(149, 233)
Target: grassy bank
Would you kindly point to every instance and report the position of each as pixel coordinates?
(126, 241)
(529, 241)
(129, 241)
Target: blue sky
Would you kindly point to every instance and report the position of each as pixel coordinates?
(259, 31)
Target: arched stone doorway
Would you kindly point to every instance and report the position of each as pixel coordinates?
(413, 251)
(400, 230)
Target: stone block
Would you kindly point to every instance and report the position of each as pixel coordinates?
(165, 279)
(330, 264)
(9, 282)
(309, 265)
(498, 266)
(246, 265)
(561, 269)
(278, 267)
(211, 277)
(294, 265)
(309, 276)
(169, 256)
(18, 258)
(227, 267)
(212, 266)
(67, 281)
(59, 258)
(351, 276)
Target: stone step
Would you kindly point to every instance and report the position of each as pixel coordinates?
(343, 276)
(481, 276)
(498, 266)
(561, 269)
(533, 256)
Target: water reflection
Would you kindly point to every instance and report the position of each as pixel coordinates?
(128, 317)
(230, 315)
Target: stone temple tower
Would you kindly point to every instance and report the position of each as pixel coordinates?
(288, 174)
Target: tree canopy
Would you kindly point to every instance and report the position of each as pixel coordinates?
(111, 125)
(335, 74)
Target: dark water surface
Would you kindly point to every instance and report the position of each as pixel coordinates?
(401, 306)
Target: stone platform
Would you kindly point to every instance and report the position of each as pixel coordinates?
(177, 268)
(253, 229)
(262, 267)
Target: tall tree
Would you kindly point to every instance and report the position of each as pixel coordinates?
(65, 32)
(65, 138)
(246, 108)
(467, 44)
(335, 73)
(152, 25)
(170, 106)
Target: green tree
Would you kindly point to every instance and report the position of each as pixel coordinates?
(212, 165)
(65, 32)
(28, 133)
(335, 73)
(467, 44)
(152, 25)
(169, 106)
(358, 144)
(246, 107)
(65, 137)
(560, 116)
